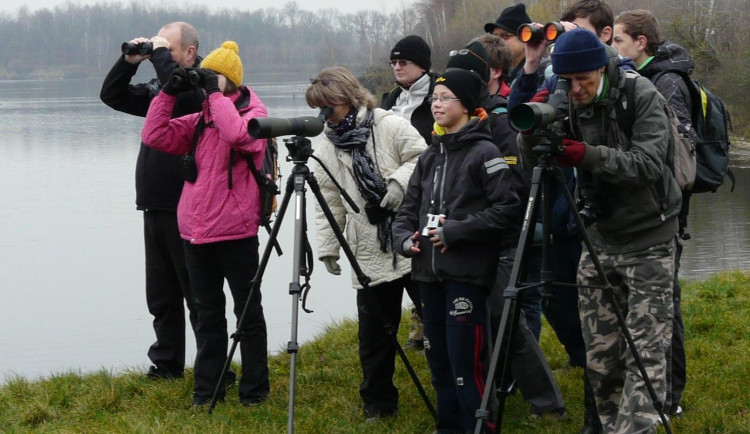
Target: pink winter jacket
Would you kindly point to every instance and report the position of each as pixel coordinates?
(208, 210)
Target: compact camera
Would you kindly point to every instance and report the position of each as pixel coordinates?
(433, 222)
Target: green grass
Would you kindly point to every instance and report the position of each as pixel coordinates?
(717, 399)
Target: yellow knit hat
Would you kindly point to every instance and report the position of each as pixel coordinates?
(226, 62)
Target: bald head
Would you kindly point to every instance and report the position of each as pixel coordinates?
(183, 42)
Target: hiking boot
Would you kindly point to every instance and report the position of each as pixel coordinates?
(414, 344)
(252, 402)
(559, 414)
(674, 411)
(229, 379)
(200, 403)
(155, 373)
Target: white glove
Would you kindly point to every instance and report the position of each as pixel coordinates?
(393, 198)
(332, 264)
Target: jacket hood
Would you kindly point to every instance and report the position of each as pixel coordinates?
(669, 56)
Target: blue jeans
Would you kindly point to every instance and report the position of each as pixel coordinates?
(455, 331)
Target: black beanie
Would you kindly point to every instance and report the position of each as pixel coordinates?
(415, 49)
(471, 58)
(466, 85)
(510, 19)
(578, 50)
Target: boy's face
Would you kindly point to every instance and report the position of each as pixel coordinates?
(626, 46)
(448, 113)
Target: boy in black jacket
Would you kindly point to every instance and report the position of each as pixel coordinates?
(451, 222)
(158, 184)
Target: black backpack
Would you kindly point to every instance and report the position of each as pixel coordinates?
(267, 177)
(712, 123)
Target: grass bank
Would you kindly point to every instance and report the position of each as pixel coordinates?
(717, 399)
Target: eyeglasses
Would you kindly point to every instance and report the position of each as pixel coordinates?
(504, 35)
(442, 99)
(465, 51)
(400, 62)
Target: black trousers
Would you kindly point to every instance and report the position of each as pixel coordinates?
(208, 266)
(377, 354)
(167, 290)
(528, 365)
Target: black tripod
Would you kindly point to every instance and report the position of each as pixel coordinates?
(541, 187)
(300, 150)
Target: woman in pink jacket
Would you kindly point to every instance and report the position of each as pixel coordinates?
(218, 213)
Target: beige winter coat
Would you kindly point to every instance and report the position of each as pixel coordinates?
(399, 145)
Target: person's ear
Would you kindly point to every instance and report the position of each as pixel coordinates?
(191, 53)
(606, 35)
(642, 43)
(495, 73)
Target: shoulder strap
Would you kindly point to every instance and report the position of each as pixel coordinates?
(199, 127)
(625, 106)
(696, 96)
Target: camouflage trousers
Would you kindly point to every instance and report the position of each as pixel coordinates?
(642, 283)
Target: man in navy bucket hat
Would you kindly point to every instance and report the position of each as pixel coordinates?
(620, 169)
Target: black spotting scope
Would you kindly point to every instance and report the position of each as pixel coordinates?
(306, 126)
(531, 115)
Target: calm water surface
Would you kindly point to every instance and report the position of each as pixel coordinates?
(71, 256)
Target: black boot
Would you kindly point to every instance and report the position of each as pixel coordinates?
(591, 422)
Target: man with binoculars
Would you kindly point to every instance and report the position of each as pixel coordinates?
(158, 185)
(633, 236)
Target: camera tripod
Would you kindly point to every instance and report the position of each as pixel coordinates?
(300, 150)
(542, 178)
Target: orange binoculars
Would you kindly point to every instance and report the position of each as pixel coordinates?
(533, 34)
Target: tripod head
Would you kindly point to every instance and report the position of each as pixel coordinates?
(300, 149)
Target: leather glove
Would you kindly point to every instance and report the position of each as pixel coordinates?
(573, 152)
(209, 80)
(177, 83)
(332, 264)
(393, 198)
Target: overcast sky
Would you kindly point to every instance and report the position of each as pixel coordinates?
(345, 6)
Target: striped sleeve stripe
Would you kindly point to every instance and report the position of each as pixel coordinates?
(495, 164)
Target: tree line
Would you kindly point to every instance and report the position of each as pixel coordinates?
(76, 40)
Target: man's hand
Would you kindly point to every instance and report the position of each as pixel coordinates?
(572, 154)
(209, 80)
(137, 58)
(534, 51)
(159, 42)
(332, 264)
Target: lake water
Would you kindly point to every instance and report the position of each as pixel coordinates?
(71, 257)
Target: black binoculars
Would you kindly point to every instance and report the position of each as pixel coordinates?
(144, 48)
(193, 79)
(529, 33)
